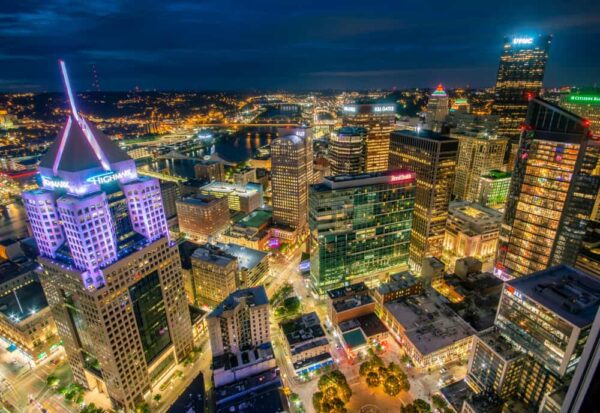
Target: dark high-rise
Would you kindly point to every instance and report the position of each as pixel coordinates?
(520, 76)
(554, 185)
(433, 158)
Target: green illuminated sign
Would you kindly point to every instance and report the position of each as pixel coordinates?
(592, 99)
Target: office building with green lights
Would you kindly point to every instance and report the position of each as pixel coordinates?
(493, 189)
(360, 227)
(584, 103)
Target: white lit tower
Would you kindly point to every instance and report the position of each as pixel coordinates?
(110, 272)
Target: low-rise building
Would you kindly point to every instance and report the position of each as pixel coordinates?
(360, 333)
(400, 285)
(349, 302)
(245, 198)
(252, 231)
(493, 189)
(214, 275)
(305, 340)
(471, 231)
(245, 176)
(203, 217)
(210, 171)
(431, 333)
(253, 264)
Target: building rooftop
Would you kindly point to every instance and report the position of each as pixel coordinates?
(226, 188)
(304, 328)
(499, 344)
(200, 200)
(193, 398)
(495, 174)
(15, 268)
(457, 393)
(568, 292)
(398, 281)
(254, 296)
(242, 359)
(351, 131)
(428, 322)
(23, 303)
(213, 255)
(354, 338)
(484, 402)
(370, 325)
(259, 393)
(347, 291)
(248, 258)
(352, 302)
(256, 219)
(400, 176)
(425, 134)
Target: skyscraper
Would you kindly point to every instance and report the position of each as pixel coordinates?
(552, 193)
(360, 227)
(584, 103)
(378, 119)
(347, 150)
(110, 273)
(438, 108)
(520, 76)
(291, 173)
(433, 158)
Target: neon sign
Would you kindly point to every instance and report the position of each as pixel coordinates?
(585, 99)
(400, 178)
(387, 108)
(522, 40)
(109, 177)
(350, 109)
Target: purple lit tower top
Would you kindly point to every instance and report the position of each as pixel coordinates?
(78, 173)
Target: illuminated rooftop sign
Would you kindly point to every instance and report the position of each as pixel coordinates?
(351, 109)
(522, 40)
(398, 178)
(111, 176)
(590, 99)
(384, 108)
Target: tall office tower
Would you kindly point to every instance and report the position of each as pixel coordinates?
(438, 108)
(291, 173)
(520, 76)
(347, 150)
(378, 119)
(584, 103)
(433, 158)
(553, 188)
(359, 227)
(477, 155)
(215, 275)
(588, 257)
(240, 322)
(111, 275)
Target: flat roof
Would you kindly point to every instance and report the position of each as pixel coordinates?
(499, 344)
(348, 290)
(425, 134)
(354, 338)
(398, 281)
(200, 200)
(428, 322)
(227, 188)
(31, 299)
(248, 258)
(213, 255)
(193, 398)
(566, 291)
(495, 174)
(352, 302)
(394, 177)
(370, 325)
(303, 328)
(255, 219)
(254, 296)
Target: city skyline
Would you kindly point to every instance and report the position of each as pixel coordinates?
(271, 46)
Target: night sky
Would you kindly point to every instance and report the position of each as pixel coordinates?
(280, 44)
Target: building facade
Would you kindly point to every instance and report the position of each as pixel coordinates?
(347, 151)
(378, 119)
(433, 158)
(214, 275)
(493, 189)
(110, 273)
(359, 227)
(553, 188)
(210, 171)
(244, 198)
(438, 108)
(291, 173)
(203, 217)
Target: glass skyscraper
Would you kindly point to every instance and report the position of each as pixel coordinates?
(360, 227)
(553, 189)
(110, 273)
(347, 150)
(520, 75)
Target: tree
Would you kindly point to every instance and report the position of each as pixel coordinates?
(52, 381)
(333, 393)
(157, 397)
(92, 408)
(372, 379)
(142, 408)
(438, 402)
(391, 386)
(417, 406)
